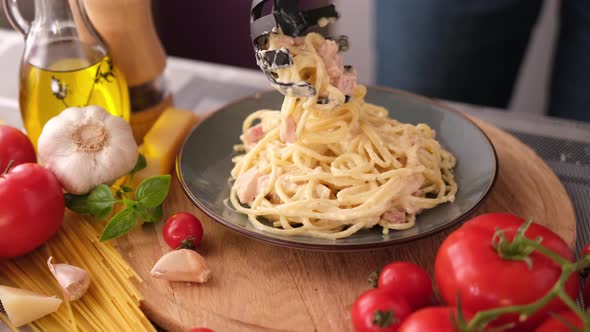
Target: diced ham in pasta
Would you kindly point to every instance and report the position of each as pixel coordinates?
(394, 216)
(288, 130)
(344, 81)
(252, 136)
(248, 185)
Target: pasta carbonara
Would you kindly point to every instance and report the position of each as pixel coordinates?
(331, 164)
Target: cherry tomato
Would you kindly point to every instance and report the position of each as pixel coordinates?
(585, 250)
(467, 264)
(433, 319)
(378, 310)
(14, 145)
(31, 208)
(183, 230)
(556, 322)
(407, 280)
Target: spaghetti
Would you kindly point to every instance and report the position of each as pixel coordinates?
(329, 165)
(112, 300)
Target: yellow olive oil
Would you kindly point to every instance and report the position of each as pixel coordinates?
(49, 88)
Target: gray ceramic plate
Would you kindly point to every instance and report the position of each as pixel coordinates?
(204, 165)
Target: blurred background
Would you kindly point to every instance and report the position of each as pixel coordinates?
(218, 31)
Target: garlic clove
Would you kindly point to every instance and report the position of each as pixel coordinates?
(182, 265)
(73, 280)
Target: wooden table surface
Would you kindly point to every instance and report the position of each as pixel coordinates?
(258, 286)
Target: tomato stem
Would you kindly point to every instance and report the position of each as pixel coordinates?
(482, 318)
(10, 163)
(188, 243)
(384, 319)
(518, 249)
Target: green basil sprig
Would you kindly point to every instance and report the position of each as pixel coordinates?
(147, 205)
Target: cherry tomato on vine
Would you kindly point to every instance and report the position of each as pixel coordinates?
(433, 319)
(585, 250)
(468, 264)
(183, 230)
(562, 322)
(15, 146)
(407, 280)
(378, 310)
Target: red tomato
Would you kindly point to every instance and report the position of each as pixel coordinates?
(32, 208)
(467, 264)
(407, 280)
(14, 145)
(586, 293)
(183, 230)
(378, 310)
(586, 290)
(556, 323)
(433, 319)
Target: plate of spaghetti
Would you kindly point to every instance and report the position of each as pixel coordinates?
(331, 164)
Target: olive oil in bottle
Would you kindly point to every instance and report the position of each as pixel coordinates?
(65, 64)
(70, 82)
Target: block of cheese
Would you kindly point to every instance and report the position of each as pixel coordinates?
(162, 142)
(23, 306)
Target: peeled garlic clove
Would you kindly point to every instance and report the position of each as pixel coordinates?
(73, 280)
(182, 265)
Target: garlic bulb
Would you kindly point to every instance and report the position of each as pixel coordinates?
(86, 147)
(73, 280)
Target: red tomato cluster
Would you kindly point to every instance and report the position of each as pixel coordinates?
(31, 198)
(468, 268)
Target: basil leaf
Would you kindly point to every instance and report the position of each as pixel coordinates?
(120, 224)
(139, 165)
(101, 201)
(157, 213)
(152, 191)
(129, 203)
(154, 215)
(77, 203)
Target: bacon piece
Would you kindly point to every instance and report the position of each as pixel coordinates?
(248, 185)
(395, 216)
(252, 136)
(332, 60)
(288, 130)
(346, 83)
(321, 191)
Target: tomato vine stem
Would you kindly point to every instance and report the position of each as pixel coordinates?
(514, 250)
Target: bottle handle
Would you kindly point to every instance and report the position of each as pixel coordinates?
(15, 18)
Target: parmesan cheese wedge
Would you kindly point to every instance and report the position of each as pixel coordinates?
(23, 306)
(162, 142)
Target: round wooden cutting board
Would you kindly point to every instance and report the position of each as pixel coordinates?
(258, 286)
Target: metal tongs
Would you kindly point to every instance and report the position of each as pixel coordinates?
(287, 16)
